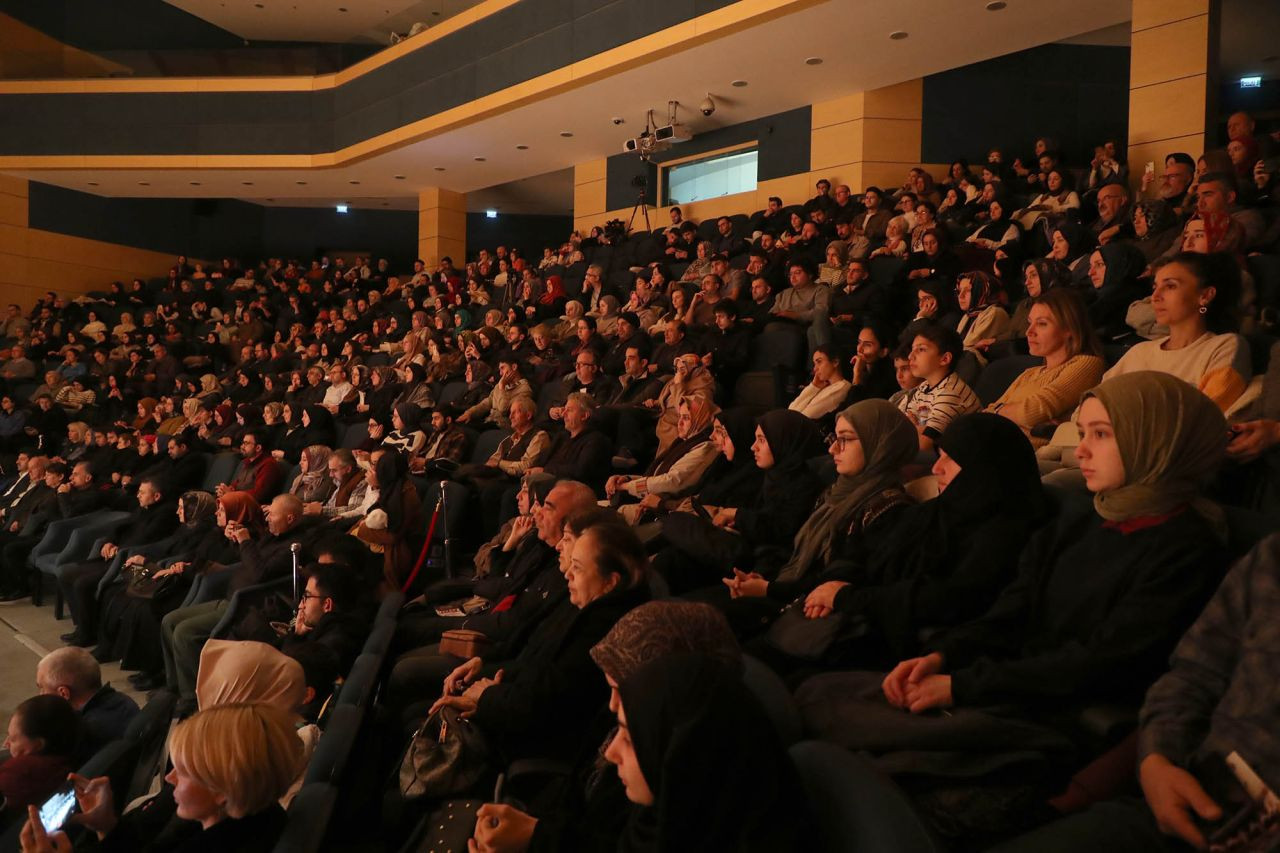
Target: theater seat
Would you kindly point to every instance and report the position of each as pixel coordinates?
(756, 390)
(149, 731)
(857, 809)
(358, 687)
(486, 444)
(451, 393)
(221, 469)
(308, 819)
(998, 375)
(356, 435)
(329, 760)
(768, 687)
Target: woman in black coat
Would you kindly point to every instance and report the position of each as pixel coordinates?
(726, 527)
(537, 709)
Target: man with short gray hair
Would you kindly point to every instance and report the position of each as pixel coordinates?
(73, 674)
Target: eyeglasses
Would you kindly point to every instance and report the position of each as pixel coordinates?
(306, 595)
(585, 364)
(840, 442)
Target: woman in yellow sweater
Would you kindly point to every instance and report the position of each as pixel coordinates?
(1058, 331)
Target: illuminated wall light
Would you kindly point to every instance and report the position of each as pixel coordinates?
(491, 214)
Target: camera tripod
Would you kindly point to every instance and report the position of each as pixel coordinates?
(640, 207)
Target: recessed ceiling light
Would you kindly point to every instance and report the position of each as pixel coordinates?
(301, 183)
(246, 183)
(566, 133)
(996, 5)
(813, 60)
(194, 183)
(398, 177)
(93, 183)
(354, 183)
(479, 159)
(898, 35)
(439, 168)
(144, 183)
(259, 5)
(738, 83)
(522, 147)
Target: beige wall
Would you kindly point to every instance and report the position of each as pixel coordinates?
(33, 261)
(442, 226)
(868, 138)
(1168, 81)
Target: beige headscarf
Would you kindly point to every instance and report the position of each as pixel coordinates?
(237, 671)
(1172, 439)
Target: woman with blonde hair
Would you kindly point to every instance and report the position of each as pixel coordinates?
(231, 764)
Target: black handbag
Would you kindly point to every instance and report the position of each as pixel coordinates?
(447, 757)
(794, 634)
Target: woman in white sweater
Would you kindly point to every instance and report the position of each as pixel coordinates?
(1196, 297)
(828, 389)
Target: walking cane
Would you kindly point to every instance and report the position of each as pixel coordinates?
(295, 549)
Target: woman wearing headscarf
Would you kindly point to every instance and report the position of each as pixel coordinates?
(316, 427)
(144, 421)
(591, 813)
(406, 429)
(701, 763)
(831, 270)
(131, 604)
(983, 320)
(1039, 276)
(1155, 227)
(607, 321)
(416, 389)
(1100, 599)
(677, 469)
(936, 263)
(551, 302)
(873, 441)
(313, 482)
(1113, 271)
(1070, 243)
(705, 543)
(691, 379)
(943, 561)
(394, 525)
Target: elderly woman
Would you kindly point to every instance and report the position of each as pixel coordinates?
(678, 468)
(231, 765)
(831, 271)
(537, 707)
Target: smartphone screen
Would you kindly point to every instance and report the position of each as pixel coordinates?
(55, 810)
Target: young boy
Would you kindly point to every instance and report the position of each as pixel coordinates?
(941, 396)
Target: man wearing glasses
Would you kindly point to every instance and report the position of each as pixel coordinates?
(259, 474)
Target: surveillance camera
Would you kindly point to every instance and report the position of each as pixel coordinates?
(707, 106)
(617, 119)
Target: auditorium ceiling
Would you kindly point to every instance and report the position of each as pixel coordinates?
(527, 138)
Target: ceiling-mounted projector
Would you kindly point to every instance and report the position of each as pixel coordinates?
(672, 133)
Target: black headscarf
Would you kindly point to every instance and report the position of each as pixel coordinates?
(410, 415)
(1120, 287)
(734, 482)
(391, 470)
(719, 775)
(793, 439)
(321, 429)
(1079, 240)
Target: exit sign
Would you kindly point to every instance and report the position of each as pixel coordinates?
(1250, 82)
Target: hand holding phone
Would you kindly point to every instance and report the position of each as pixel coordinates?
(55, 810)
